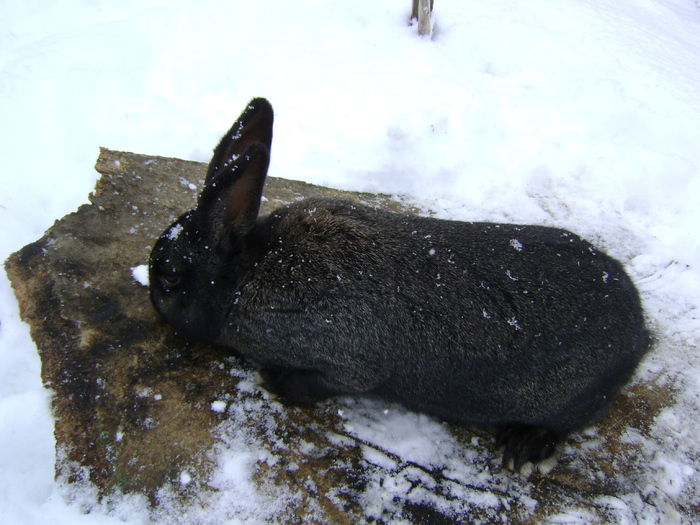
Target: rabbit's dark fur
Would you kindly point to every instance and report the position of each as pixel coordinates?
(525, 328)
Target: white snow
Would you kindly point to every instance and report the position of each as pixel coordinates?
(185, 478)
(581, 115)
(140, 274)
(174, 232)
(218, 406)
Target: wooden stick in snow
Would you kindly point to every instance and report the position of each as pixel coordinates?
(421, 12)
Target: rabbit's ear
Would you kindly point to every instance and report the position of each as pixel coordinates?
(254, 125)
(231, 200)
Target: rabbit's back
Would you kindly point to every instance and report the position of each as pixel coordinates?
(475, 322)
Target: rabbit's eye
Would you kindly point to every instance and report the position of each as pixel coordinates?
(170, 281)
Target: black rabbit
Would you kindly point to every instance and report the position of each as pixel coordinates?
(527, 329)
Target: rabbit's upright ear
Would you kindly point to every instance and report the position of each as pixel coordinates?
(230, 202)
(254, 125)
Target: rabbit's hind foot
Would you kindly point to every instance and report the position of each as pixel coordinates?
(528, 448)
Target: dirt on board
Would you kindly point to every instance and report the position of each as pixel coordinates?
(139, 410)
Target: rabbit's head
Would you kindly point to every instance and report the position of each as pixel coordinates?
(199, 262)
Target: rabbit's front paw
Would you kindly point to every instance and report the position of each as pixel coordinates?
(527, 447)
(292, 387)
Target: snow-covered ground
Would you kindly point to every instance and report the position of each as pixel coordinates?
(582, 114)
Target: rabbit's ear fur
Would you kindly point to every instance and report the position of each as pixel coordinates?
(254, 125)
(231, 200)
